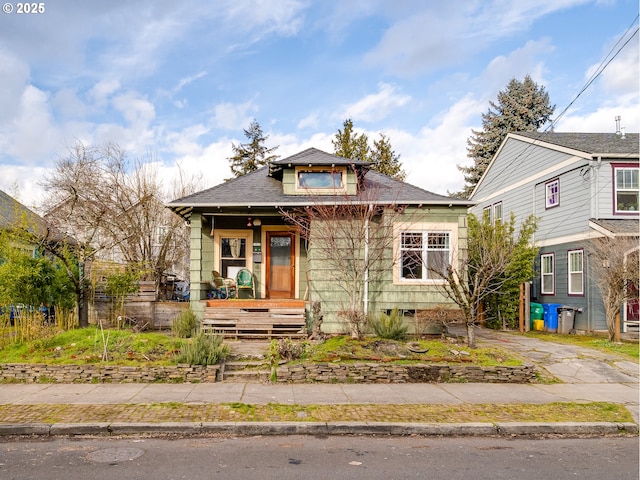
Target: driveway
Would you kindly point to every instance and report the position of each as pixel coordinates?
(568, 363)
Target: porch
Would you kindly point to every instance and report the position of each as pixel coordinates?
(255, 318)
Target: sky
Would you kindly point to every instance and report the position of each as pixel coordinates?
(177, 82)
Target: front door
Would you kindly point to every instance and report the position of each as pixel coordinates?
(280, 263)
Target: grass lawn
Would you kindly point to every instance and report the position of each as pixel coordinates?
(93, 345)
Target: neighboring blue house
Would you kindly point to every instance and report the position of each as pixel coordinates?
(579, 186)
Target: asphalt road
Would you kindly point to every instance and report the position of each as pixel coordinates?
(326, 458)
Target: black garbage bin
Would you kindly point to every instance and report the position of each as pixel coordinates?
(566, 319)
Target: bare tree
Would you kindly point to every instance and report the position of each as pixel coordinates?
(492, 251)
(100, 205)
(350, 237)
(614, 264)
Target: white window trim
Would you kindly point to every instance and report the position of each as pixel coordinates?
(570, 272)
(547, 193)
(552, 273)
(616, 190)
(431, 227)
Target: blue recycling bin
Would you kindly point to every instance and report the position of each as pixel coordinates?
(551, 316)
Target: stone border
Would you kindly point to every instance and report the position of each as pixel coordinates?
(301, 373)
(418, 373)
(41, 373)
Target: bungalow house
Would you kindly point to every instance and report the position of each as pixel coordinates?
(276, 222)
(580, 186)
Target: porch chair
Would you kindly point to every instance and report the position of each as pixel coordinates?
(221, 287)
(244, 283)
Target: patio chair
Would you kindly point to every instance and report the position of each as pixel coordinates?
(221, 287)
(244, 283)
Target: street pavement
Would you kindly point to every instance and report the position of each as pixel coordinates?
(587, 375)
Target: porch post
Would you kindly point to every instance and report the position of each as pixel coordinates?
(198, 288)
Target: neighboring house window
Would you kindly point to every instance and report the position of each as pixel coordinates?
(486, 211)
(423, 254)
(497, 212)
(576, 272)
(547, 275)
(493, 213)
(626, 189)
(552, 193)
(161, 234)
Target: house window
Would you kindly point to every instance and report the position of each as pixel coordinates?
(547, 275)
(233, 255)
(626, 189)
(576, 272)
(320, 179)
(552, 193)
(424, 254)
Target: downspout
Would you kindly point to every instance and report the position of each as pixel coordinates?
(366, 262)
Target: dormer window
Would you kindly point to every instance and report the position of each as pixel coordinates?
(321, 180)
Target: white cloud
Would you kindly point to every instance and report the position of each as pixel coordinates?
(376, 106)
(310, 121)
(15, 78)
(102, 90)
(231, 116)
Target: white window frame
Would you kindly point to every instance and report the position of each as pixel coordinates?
(423, 228)
(497, 212)
(627, 187)
(575, 287)
(547, 274)
(551, 197)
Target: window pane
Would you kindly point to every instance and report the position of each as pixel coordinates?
(412, 265)
(412, 240)
(437, 262)
(234, 248)
(438, 241)
(320, 179)
(547, 284)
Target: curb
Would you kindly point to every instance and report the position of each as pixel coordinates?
(513, 429)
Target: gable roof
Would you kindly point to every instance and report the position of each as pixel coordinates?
(11, 211)
(261, 188)
(607, 145)
(594, 144)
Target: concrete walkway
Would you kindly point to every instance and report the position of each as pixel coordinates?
(588, 376)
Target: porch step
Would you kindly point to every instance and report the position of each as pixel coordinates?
(246, 371)
(255, 319)
(241, 376)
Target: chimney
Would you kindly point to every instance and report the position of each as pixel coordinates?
(622, 130)
(617, 124)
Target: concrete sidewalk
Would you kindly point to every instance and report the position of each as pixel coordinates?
(25, 408)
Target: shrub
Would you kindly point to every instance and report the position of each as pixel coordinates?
(203, 350)
(184, 325)
(390, 326)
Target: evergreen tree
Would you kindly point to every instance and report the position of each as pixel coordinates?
(521, 107)
(252, 155)
(349, 144)
(385, 160)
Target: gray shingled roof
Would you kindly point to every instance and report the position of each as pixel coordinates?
(624, 226)
(596, 144)
(259, 189)
(313, 156)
